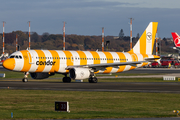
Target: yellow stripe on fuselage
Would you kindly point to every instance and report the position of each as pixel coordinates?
(42, 58)
(56, 59)
(109, 59)
(83, 58)
(122, 57)
(95, 55)
(68, 59)
(27, 58)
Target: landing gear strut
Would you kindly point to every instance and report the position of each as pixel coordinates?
(66, 79)
(25, 79)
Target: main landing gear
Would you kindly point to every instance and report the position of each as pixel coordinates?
(93, 79)
(25, 79)
(66, 79)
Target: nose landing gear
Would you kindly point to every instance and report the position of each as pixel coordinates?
(25, 79)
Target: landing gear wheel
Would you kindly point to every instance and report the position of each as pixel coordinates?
(93, 80)
(66, 79)
(25, 80)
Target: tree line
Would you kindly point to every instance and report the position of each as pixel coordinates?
(73, 42)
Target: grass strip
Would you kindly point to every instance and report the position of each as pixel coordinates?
(39, 104)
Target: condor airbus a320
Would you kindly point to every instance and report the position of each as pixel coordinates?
(83, 64)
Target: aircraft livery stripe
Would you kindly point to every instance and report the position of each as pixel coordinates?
(154, 34)
(56, 61)
(134, 58)
(68, 58)
(82, 55)
(12, 61)
(95, 55)
(109, 59)
(26, 57)
(42, 58)
(122, 57)
(143, 43)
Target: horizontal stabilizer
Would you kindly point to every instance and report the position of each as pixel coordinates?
(150, 59)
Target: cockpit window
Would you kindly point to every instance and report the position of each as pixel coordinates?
(12, 56)
(16, 56)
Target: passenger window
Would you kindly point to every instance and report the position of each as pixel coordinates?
(17, 57)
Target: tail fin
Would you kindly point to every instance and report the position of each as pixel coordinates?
(176, 39)
(146, 42)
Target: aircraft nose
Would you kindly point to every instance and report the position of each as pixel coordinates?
(9, 63)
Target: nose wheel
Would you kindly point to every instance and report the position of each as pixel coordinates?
(25, 79)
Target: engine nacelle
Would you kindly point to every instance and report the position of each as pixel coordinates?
(40, 75)
(79, 73)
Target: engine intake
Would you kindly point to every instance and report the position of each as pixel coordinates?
(79, 73)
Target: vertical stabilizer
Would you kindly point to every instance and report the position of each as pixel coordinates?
(176, 39)
(146, 42)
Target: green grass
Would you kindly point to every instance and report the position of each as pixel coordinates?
(39, 104)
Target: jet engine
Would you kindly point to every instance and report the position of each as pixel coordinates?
(40, 75)
(79, 73)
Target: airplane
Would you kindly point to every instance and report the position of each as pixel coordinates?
(176, 39)
(83, 64)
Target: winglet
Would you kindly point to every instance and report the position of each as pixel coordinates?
(146, 42)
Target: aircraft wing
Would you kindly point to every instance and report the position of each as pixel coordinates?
(103, 66)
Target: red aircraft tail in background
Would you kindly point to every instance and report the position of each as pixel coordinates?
(176, 39)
